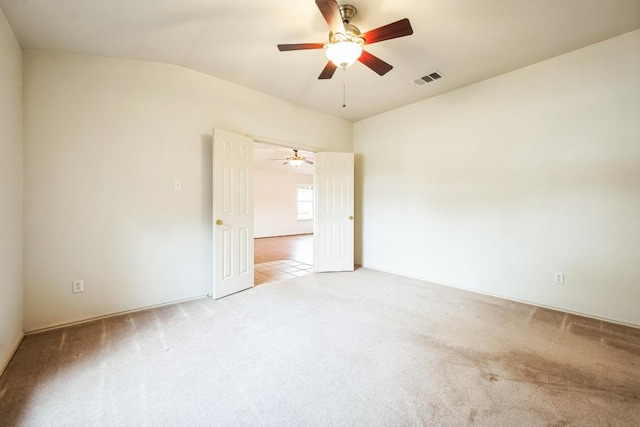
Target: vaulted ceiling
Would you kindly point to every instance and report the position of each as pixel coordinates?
(465, 40)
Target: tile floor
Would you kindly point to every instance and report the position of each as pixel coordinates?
(274, 271)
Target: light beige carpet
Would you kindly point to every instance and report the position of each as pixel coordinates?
(340, 349)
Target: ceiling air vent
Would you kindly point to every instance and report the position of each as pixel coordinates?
(431, 77)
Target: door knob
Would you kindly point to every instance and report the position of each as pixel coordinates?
(350, 218)
(218, 222)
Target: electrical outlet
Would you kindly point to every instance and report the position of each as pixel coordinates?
(78, 286)
(558, 277)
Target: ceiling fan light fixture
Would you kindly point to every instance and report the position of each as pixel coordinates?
(343, 53)
(296, 161)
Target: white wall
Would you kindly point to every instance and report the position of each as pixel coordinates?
(275, 203)
(104, 141)
(10, 193)
(496, 186)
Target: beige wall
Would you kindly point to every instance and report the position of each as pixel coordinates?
(491, 188)
(496, 186)
(10, 192)
(104, 141)
(275, 203)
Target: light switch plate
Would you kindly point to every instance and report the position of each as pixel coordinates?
(78, 286)
(558, 277)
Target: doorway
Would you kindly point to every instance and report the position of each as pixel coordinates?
(233, 210)
(283, 220)
(283, 257)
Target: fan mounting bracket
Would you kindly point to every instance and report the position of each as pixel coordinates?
(347, 12)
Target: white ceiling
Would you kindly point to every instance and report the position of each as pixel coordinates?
(235, 40)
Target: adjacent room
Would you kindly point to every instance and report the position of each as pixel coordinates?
(283, 212)
(448, 234)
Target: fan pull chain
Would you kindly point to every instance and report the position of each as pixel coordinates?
(344, 87)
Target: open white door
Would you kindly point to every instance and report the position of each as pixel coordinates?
(333, 226)
(232, 213)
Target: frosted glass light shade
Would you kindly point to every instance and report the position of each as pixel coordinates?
(343, 53)
(296, 162)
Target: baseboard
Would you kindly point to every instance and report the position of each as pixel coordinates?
(106, 316)
(6, 360)
(535, 304)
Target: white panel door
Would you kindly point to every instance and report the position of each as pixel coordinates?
(333, 226)
(232, 213)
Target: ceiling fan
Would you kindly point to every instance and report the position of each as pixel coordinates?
(295, 160)
(346, 40)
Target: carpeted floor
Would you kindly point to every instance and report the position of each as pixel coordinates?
(337, 349)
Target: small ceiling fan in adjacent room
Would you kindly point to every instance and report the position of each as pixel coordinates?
(295, 160)
(346, 40)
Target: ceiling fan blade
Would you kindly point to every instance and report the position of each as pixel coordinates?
(328, 71)
(375, 63)
(299, 46)
(394, 30)
(331, 13)
(309, 162)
